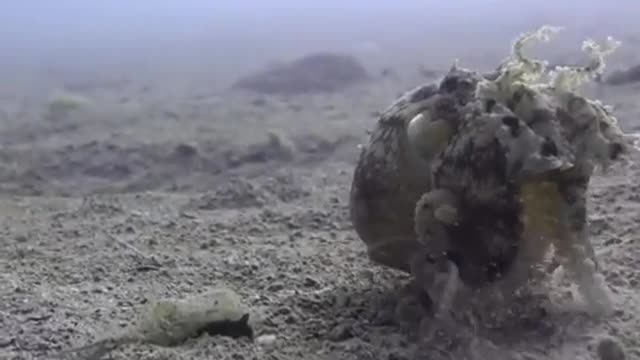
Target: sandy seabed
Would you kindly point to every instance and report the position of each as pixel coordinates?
(248, 192)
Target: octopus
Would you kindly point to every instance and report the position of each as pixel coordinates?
(472, 180)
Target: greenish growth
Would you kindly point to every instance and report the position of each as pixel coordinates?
(62, 105)
(532, 89)
(566, 78)
(518, 70)
(171, 322)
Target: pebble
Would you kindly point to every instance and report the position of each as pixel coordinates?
(340, 333)
(610, 349)
(266, 339)
(275, 287)
(6, 341)
(311, 282)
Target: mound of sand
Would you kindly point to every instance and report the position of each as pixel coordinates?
(321, 72)
(624, 77)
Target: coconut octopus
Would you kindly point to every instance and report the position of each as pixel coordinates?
(471, 181)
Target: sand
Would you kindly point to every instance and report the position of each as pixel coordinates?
(157, 189)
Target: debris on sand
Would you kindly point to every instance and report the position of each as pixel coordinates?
(624, 77)
(171, 322)
(276, 146)
(185, 151)
(235, 193)
(321, 72)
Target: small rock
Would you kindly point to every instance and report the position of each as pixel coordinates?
(311, 282)
(6, 341)
(98, 290)
(609, 349)
(185, 150)
(283, 310)
(266, 339)
(340, 333)
(396, 356)
(383, 317)
(341, 300)
(275, 287)
(367, 275)
(259, 102)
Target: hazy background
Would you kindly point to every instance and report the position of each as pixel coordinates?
(239, 35)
